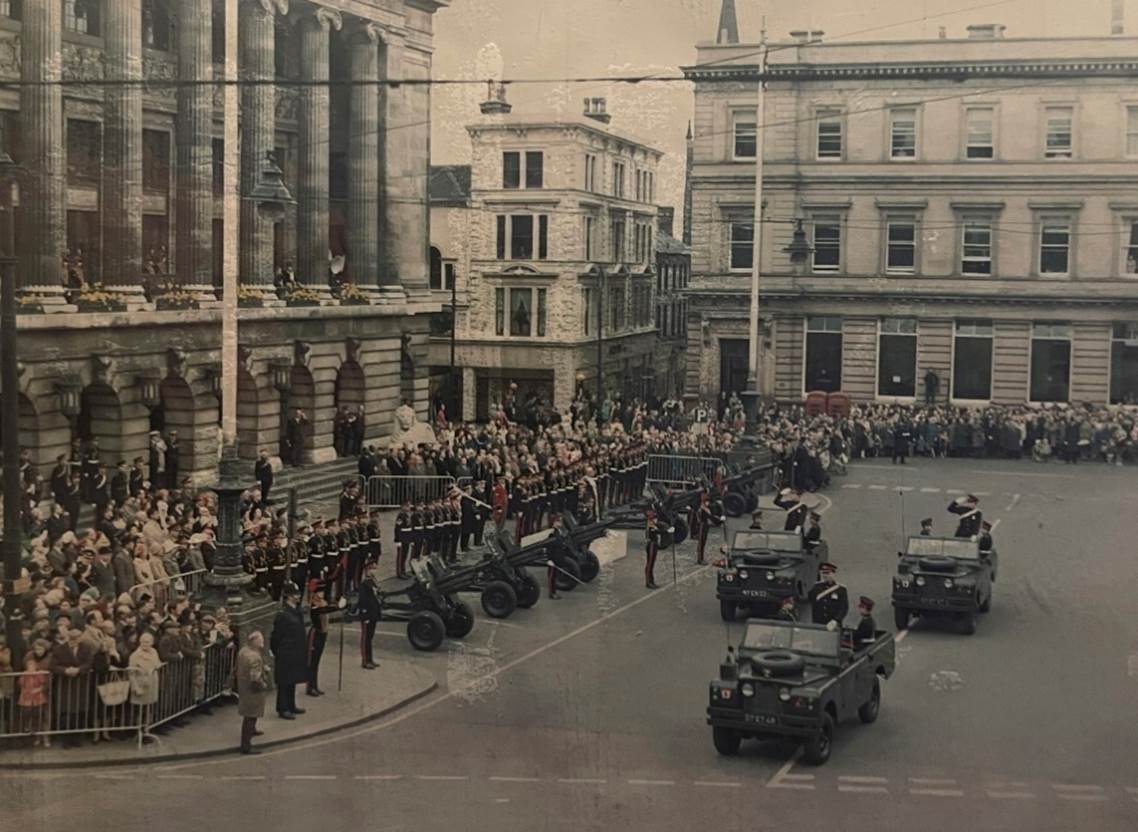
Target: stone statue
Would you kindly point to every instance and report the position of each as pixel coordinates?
(408, 430)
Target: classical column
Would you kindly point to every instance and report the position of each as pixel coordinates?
(122, 151)
(363, 156)
(312, 179)
(258, 120)
(42, 196)
(193, 253)
(407, 152)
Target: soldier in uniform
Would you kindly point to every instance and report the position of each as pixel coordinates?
(317, 636)
(558, 533)
(790, 501)
(786, 610)
(261, 562)
(480, 513)
(927, 527)
(357, 544)
(866, 632)
(315, 551)
(277, 560)
(370, 612)
(419, 532)
(829, 600)
(812, 536)
(466, 519)
(702, 519)
(970, 516)
(298, 555)
(521, 496)
(374, 546)
(985, 536)
(404, 540)
(652, 535)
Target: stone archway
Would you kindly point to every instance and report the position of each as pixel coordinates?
(101, 420)
(351, 393)
(302, 395)
(250, 436)
(27, 429)
(179, 413)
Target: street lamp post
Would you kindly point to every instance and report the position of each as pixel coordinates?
(600, 343)
(751, 396)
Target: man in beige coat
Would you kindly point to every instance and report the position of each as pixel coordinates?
(252, 685)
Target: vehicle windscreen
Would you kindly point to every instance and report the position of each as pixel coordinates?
(800, 639)
(944, 547)
(770, 541)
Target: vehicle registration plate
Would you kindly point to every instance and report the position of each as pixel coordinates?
(755, 593)
(761, 719)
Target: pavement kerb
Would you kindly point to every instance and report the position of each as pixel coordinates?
(228, 750)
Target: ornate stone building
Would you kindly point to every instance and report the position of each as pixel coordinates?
(119, 125)
(968, 205)
(557, 226)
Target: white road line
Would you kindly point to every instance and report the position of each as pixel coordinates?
(242, 777)
(1013, 503)
(785, 768)
(1101, 798)
(718, 785)
(996, 795)
(379, 777)
(933, 781)
(635, 782)
(802, 786)
(829, 503)
(998, 521)
(930, 490)
(447, 777)
(310, 777)
(798, 777)
(938, 792)
(954, 491)
(113, 777)
(905, 488)
(852, 485)
(1020, 474)
(982, 493)
(1071, 787)
(582, 780)
(897, 639)
(878, 487)
(846, 779)
(516, 779)
(863, 789)
(501, 800)
(1132, 790)
(180, 777)
(507, 624)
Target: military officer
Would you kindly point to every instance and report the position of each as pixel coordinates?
(790, 501)
(786, 610)
(374, 547)
(277, 559)
(813, 534)
(829, 600)
(703, 518)
(556, 533)
(403, 539)
(985, 536)
(317, 636)
(315, 550)
(370, 614)
(967, 508)
(866, 631)
(652, 534)
(927, 527)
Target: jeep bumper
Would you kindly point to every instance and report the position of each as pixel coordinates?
(933, 603)
(769, 724)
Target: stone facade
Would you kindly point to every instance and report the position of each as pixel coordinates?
(152, 180)
(548, 284)
(993, 153)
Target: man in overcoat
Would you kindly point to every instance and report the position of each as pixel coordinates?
(290, 653)
(252, 685)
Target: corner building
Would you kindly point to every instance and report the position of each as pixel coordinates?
(125, 184)
(971, 207)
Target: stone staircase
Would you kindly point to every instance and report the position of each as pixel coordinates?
(316, 485)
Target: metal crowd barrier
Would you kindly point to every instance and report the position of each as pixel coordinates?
(42, 704)
(680, 470)
(189, 582)
(392, 492)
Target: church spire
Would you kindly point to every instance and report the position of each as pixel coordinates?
(728, 30)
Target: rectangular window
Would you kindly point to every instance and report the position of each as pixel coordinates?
(897, 357)
(823, 354)
(511, 170)
(901, 246)
(1130, 249)
(84, 152)
(978, 127)
(827, 256)
(155, 160)
(829, 135)
(1132, 131)
(589, 304)
(1054, 246)
(590, 232)
(1059, 132)
(82, 16)
(903, 134)
(11, 9)
(541, 313)
(535, 168)
(542, 237)
(501, 237)
(1050, 362)
(616, 308)
(976, 254)
(521, 237)
(590, 172)
(972, 361)
(1124, 364)
(155, 24)
(618, 179)
(746, 134)
(521, 312)
(219, 166)
(742, 246)
(499, 311)
(617, 233)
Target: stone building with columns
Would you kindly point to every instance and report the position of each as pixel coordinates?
(114, 109)
(969, 206)
(558, 228)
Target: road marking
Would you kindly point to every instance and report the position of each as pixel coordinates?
(798, 777)
(904, 488)
(379, 777)
(1013, 503)
(878, 487)
(930, 490)
(938, 792)
(715, 784)
(582, 780)
(846, 779)
(1021, 474)
(785, 768)
(516, 779)
(441, 777)
(112, 777)
(242, 777)
(1101, 798)
(1069, 787)
(310, 777)
(863, 789)
(996, 795)
(897, 639)
(829, 503)
(501, 800)
(933, 781)
(954, 491)
(473, 684)
(852, 485)
(982, 493)
(180, 777)
(998, 521)
(635, 782)
(804, 786)
(498, 623)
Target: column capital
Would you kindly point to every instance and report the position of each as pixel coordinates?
(327, 19)
(270, 7)
(367, 31)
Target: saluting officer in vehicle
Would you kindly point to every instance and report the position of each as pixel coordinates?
(970, 516)
(790, 501)
(829, 600)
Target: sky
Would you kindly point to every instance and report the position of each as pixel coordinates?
(583, 38)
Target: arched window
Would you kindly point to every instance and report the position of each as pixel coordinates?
(436, 268)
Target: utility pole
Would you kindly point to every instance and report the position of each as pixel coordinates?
(751, 395)
(600, 342)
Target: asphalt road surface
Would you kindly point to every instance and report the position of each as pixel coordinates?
(588, 712)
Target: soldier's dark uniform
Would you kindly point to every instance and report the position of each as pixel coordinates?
(828, 602)
(652, 547)
(277, 559)
(970, 518)
(370, 614)
(316, 551)
(403, 539)
(796, 510)
(374, 547)
(317, 637)
(261, 564)
(466, 522)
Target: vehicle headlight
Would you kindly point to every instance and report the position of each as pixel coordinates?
(948, 583)
(784, 694)
(770, 576)
(920, 580)
(730, 576)
(743, 575)
(748, 689)
(904, 582)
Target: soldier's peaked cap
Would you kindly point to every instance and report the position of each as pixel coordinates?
(827, 567)
(866, 602)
